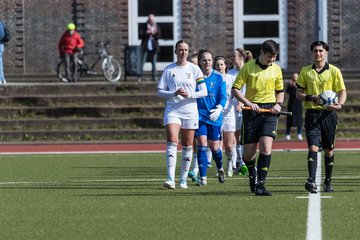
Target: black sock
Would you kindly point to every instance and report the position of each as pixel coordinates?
(329, 163)
(251, 167)
(263, 166)
(312, 164)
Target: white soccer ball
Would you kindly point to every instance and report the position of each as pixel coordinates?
(328, 98)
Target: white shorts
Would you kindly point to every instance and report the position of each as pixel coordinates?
(228, 124)
(238, 118)
(184, 123)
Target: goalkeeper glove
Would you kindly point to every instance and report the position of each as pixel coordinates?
(215, 113)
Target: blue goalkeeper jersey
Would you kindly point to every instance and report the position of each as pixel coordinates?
(216, 87)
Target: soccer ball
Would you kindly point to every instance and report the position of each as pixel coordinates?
(328, 98)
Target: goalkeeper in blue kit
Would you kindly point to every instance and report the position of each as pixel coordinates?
(210, 118)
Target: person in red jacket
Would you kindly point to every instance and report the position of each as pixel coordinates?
(69, 45)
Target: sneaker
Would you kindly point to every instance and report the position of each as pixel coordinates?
(311, 186)
(229, 169)
(300, 137)
(252, 183)
(202, 181)
(260, 189)
(170, 184)
(183, 184)
(287, 137)
(328, 186)
(243, 170)
(221, 176)
(192, 175)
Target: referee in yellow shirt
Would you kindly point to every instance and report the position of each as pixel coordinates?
(320, 123)
(264, 90)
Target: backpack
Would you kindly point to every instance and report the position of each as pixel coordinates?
(4, 33)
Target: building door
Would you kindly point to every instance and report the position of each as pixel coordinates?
(167, 15)
(257, 21)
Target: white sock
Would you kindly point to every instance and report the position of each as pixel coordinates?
(233, 158)
(229, 155)
(195, 165)
(209, 155)
(171, 154)
(239, 151)
(186, 156)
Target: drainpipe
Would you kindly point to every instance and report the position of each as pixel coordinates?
(322, 21)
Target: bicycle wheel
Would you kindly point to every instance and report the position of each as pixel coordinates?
(61, 71)
(111, 69)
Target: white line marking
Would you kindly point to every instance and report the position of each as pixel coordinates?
(314, 231)
(155, 180)
(306, 197)
(144, 151)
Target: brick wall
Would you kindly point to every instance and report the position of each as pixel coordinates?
(36, 26)
(209, 24)
(302, 30)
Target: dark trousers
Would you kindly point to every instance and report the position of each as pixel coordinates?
(71, 66)
(153, 58)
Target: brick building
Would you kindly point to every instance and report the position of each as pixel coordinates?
(36, 26)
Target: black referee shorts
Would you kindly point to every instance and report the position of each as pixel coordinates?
(320, 127)
(256, 125)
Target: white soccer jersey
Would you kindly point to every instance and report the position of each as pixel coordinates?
(234, 73)
(229, 109)
(186, 77)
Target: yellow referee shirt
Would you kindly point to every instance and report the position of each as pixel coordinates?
(314, 83)
(262, 82)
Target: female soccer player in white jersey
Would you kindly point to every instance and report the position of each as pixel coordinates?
(210, 117)
(181, 84)
(228, 123)
(239, 58)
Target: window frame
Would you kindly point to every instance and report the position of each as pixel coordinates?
(240, 18)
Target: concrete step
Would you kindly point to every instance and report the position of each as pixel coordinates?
(71, 100)
(78, 111)
(64, 89)
(81, 123)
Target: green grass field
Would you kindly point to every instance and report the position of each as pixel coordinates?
(120, 196)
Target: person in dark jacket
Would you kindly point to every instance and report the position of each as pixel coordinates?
(294, 106)
(69, 46)
(150, 35)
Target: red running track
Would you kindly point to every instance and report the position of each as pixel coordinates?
(137, 147)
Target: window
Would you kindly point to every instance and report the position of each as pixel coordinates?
(257, 21)
(167, 15)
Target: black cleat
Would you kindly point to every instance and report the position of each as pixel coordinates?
(260, 189)
(328, 186)
(221, 176)
(311, 186)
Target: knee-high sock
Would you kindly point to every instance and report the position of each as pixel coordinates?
(251, 167)
(218, 158)
(209, 156)
(194, 165)
(329, 163)
(186, 156)
(171, 155)
(312, 164)
(202, 160)
(233, 157)
(239, 152)
(263, 166)
(230, 156)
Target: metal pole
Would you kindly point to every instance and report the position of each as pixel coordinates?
(322, 21)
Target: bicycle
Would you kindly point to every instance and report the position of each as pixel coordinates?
(110, 67)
